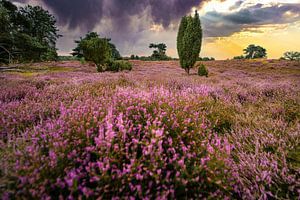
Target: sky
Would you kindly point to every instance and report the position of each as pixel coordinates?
(228, 25)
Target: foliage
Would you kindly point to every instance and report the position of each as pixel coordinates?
(78, 51)
(189, 40)
(4, 20)
(202, 70)
(50, 55)
(5, 29)
(29, 33)
(67, 58)
(292, 55)
(206, 59)
(154, 57)
(115, 53)
(134, 57)
(119, 65)
(40, 24)
(180, 35)
(97, 50)
(82, 60)
(160, 53)
(238, 57)
(252, 52)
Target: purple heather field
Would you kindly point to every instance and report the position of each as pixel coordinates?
(68, 132)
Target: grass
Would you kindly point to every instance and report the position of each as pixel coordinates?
(34, 70)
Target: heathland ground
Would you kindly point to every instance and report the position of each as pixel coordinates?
(68, 131)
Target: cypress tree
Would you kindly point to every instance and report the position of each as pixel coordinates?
(197, 37)
(189, 40)
(181, 31)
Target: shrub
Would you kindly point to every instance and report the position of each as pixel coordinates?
(202, 70)
(97, 50)
(116, 66)
(82, 61)
(220, 115)
(206, 59)
(112, 66)
(238, 57)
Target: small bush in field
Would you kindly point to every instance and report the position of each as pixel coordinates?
(82, 61)
(116, 66)
(112, 66)
(202, 70)
(124, 65)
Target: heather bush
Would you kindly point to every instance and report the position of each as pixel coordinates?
(293, 158)
(202, 70)
(132, 147)
(259, 170)
(220, 116)
(120, 65)
(291, 111)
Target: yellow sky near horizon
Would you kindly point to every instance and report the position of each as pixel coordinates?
(276, 38)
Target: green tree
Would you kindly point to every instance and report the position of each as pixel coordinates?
(189, 41)
(160, 51)
(40, 25)
(4, 20)
(7, 12)
(252, 52)
(114, 51)
(29, 33)
(97, 50)
(180, 43)
(77, 52)
(5, 28)
(292, 55)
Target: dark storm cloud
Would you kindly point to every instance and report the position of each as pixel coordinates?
(163, 12)
(84, 13)
(218, 24)
(88, 13)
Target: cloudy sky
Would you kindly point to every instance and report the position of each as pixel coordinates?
(228, 25)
